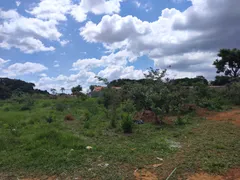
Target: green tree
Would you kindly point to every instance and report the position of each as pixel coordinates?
(92, 87)
(155, 74)
(229, 64)
(62, 89)
(54, 91)
(76, 90)
(104, 80)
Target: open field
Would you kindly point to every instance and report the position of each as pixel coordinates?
(34, 146)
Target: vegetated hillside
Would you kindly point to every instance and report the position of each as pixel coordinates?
(8, 86)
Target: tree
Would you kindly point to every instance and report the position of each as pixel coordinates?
(62, 89)
(221, 80)
(104, 80)
(76, 90)
(229, 64)
(92, 87)
(155, 74)
(54, 91)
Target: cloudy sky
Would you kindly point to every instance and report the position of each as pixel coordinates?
(63, 43)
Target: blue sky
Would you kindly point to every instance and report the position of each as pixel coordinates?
(63, 43)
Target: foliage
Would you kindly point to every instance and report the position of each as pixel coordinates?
(60, 107)
(221, 80)
(76, 90)
(233, 93)
(183, 120)
(91, 87)
(190, 81)
(127, 123)
(104, 80)
(229, 64)
(54, 91)
(62, 89)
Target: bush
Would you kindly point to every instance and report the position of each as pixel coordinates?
(46, 104)
(28, 103)
(127, 123)
(60, 107)
(182, 120)
(49, 119)
(233, 93)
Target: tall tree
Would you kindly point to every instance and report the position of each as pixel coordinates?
(54, 91)
(91, 87)
(155, 74)
(104, 80)
(229, 64)
(62, 89)
(76, 90)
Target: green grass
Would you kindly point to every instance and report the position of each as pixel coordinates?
(29, 144)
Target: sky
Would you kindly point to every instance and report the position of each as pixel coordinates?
(64, 43)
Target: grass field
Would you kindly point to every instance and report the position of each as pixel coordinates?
(38, 142)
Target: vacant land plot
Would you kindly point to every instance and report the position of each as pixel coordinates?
(43, 143)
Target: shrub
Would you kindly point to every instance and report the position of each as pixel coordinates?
(86, 115)
(60, 107)
(68, 117)
(86, 125)
(233, 93)
(49, 119)
(6, 109)
(127, 123)
(182, 120)
(46, 104)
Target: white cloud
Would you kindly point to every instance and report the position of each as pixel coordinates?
(56, 65)
(58, 9)
(18, 3)
(114, 28)
(10, 14)
(64, 43)
(83, 78)
(187, 40)
(137, 3)
(24, 68)
(116, 72)
(3, 62)
(114, 59)
(43, 75)
(79, 12)
(52, 9)
(25, 34)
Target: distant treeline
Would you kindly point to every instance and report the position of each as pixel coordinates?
(9, 86)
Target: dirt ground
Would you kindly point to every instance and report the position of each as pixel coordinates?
(233, 174)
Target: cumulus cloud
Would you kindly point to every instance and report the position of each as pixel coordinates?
(59, 9)
(120, 59)
(24, 69)
(187, 40)
(25, 34)
(64, 42)
(84, 78)
(115, 72)
(97, 7)
(52, 9)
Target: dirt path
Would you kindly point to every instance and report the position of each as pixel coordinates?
(232, 116)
